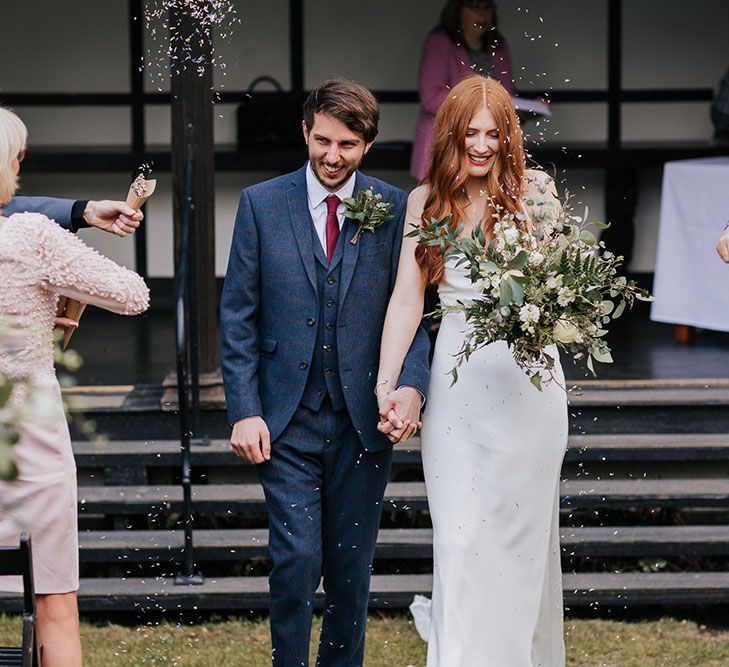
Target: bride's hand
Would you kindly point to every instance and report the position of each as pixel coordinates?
(399, 413)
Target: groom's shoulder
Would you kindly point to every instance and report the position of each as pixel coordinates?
(388, 191)
(272, 188)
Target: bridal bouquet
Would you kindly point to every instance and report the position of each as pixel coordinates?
(547, 286)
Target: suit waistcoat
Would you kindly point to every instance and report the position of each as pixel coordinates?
(323, 379)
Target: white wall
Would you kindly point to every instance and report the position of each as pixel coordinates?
(560, 44)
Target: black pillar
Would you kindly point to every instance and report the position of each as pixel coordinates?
(192, 128)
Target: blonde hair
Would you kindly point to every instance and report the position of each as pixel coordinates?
(13, 135)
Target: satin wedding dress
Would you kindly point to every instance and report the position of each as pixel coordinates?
(492, 448)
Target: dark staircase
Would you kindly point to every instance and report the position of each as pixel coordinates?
(644, 497)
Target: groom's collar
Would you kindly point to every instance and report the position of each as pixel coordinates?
(317, 193)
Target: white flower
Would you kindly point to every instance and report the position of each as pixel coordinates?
(608, 255)
(565, 332)
(511, 235)
(565, 296)
(535, 258)
(529, 315)
(505, 310)
(554, 282)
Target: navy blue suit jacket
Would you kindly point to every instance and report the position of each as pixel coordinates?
(270, 299)
(58, 210)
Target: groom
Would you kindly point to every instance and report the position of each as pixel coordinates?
(302, 313)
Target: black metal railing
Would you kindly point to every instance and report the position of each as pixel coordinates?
(187, 369)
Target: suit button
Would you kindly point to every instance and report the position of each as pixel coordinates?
(310, 321)
(320, 393)
(327, 348)
(329, 326)
(303, 365)
(330, 303)
(330, 280)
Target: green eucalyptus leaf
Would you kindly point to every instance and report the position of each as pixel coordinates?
(6, 389)
(520, 261)
(517, 291)
(506, 293)
(8, 469)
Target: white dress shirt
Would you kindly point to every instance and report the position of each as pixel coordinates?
(317, 195)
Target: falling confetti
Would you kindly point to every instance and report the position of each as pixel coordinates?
(185, 32)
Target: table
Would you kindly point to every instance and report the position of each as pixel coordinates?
(691, 283)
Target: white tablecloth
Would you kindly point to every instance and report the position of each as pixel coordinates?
(691, 282)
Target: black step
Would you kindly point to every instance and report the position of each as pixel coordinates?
(595, 494)
(388, 591)
(403, 543)
(608, 447)
(623, 406)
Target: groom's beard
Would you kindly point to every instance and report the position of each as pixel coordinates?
(329, 183)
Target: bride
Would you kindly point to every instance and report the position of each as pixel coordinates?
(492, 444)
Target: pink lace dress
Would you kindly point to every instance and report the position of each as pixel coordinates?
(38, 262)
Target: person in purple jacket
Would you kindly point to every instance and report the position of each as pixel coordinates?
(466, 40)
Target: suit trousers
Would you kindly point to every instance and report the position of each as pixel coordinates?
(324, 498)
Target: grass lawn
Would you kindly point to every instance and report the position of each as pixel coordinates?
(391, 642)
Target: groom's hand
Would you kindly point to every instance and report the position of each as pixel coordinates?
(400, 414)
(251, 440)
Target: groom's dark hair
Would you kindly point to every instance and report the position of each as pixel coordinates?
(347, 101)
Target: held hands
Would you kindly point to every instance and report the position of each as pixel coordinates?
(399, 412)
(723, 246)
(114, 217)
(251, 440)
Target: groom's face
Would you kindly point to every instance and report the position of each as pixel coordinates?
(335, 152)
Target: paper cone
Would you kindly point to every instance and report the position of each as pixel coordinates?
(140, 191)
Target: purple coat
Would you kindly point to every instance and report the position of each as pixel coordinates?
(442, 65)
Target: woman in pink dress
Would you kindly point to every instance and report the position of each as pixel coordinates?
(39, 261)
(467, 40)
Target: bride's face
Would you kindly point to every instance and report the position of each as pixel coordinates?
(482, 143)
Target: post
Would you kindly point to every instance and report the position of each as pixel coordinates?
(192, 125)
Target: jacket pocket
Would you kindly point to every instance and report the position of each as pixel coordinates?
(375, 248)
(267, 346)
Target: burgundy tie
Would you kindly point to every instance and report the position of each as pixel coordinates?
(332, 225)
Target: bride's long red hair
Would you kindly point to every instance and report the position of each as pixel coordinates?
(448, 168)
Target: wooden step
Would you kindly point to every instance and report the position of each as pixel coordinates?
(226, 544)
(642, 393)
(388, 591)
(576, 494)
(402, 543)
(636, 541)
(613, 448)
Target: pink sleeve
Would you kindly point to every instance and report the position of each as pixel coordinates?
(69, 267)
(434, 82)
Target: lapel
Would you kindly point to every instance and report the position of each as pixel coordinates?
(350, 252)
(302, 223)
